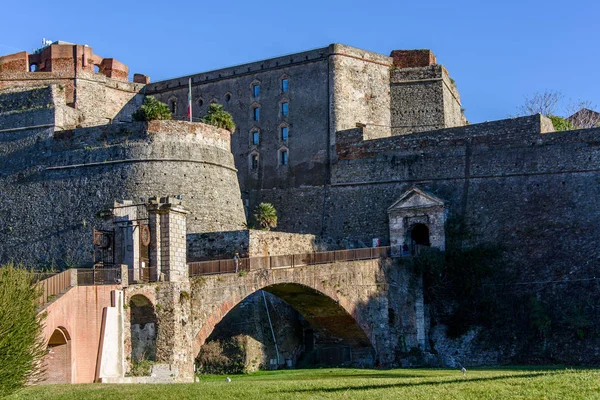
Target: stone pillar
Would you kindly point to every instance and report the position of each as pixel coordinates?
(167, 219)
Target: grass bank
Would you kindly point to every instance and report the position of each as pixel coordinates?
(498, 383)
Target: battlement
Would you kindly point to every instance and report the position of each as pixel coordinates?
(413, 58)
(63, 59)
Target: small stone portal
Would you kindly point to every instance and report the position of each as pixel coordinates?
(144, 329)
(417, 220)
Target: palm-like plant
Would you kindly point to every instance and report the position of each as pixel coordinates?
(266, 216)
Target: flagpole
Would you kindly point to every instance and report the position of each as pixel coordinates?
(190, 98)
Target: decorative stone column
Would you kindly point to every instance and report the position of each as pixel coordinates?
(167, 221)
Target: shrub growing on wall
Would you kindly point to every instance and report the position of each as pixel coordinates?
(151, 110)
(218, 117)
(266, 216)
(21, 343)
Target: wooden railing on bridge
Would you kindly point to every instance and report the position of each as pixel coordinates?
(285, 261)
(55, 284)
(52, 284)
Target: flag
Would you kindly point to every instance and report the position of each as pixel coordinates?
(189, 110)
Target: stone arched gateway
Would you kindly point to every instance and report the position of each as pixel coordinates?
(417, 219)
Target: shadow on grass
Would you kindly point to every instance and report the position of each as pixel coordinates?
(414, 384)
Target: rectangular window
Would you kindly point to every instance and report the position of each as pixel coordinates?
(284, 157)
(256, 90)
(255, 137)
(284, 85)
(284, 133)
(284, 109)
(256, 113)
(254, 161)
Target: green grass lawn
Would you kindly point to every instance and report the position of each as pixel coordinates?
(498, 383)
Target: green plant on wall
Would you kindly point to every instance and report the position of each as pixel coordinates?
(151, 110)
(560, 124)
(218, 117)
(265, 216)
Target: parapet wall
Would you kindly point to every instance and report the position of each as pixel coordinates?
(56, 184)
(248, 243)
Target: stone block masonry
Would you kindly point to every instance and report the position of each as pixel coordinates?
(77, 173)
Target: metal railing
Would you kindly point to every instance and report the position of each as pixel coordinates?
(52, 284)
(99, 276)
(286, 261)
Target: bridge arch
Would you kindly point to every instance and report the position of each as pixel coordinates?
(327, 313)
(58, 358)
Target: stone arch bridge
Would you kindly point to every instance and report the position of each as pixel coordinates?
(101, 320)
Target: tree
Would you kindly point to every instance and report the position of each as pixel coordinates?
(218, 117)
(21, 343)
(550, 104)
(266, 216)
(151, 110)
(545, 103)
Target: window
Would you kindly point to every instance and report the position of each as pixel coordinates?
(254, 161)
(256, 90)
(283, 157)
(256, 113)
(255, 137)
(228, 97)
(173, 103)
(284, 85)
(284, 109)
(284, 133)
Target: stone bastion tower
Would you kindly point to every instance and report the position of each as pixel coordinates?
(69, 148)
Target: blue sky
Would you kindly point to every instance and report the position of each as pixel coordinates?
(497, 52)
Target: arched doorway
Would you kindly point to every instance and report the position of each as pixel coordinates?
(58, 358)
(293, 325)
(419, 237)
(143, 328)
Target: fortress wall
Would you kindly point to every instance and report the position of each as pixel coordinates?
(54, 187)
(103, 100)
(417, 98)
(534, 193)
(360, 91)
(453, 111)
(307, 120)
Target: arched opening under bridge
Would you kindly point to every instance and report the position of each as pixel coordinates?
(58, 358)
(309, 327)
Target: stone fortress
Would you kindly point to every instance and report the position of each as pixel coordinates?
(348, 145)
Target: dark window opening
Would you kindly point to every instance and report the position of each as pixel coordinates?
(391, 316)
(173, 106)
(284, 133)
(255, 137)
(284, 85)
(256, 90)
(254, 161)
(284, 157)
(284, 109)
(227, 97)
(256, 113)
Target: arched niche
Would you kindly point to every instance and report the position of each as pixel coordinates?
(143, 328)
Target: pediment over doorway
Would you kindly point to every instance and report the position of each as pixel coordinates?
(416, 198)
